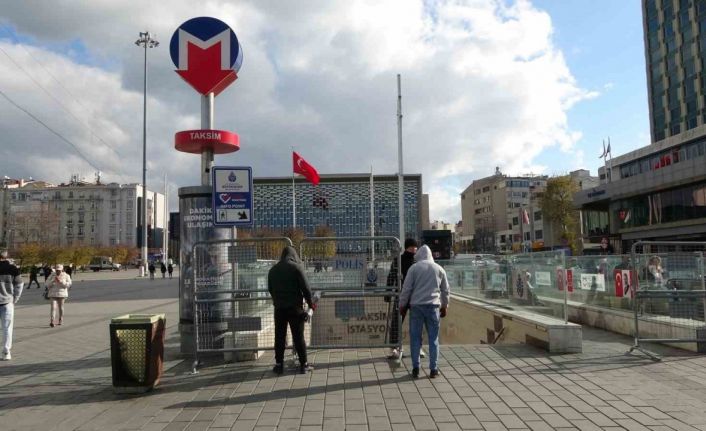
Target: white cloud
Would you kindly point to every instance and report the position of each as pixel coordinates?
(483, 86)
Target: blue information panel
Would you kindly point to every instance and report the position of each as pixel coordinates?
(232, 195)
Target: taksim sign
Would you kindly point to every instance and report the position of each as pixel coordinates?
(195, 141)
(207, 54)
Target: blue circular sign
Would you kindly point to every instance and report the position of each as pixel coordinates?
(205, 32)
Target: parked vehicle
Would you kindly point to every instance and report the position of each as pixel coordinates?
(99, 263)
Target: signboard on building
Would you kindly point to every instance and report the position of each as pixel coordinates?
(232, 196)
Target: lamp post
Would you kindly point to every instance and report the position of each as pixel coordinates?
(145, 41)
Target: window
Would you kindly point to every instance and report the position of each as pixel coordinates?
(113, 205)
(515, 221)
(538, 234)
(502, 238)
(112, 217)
(527, 236)
(537, 215)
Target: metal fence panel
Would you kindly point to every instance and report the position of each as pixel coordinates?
(232, 308)
(358, 288)
(670, 296)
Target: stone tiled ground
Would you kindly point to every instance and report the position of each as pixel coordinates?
(60, 380)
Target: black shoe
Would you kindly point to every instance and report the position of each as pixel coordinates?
(278, 369)
(434, 374)
(304, 368)
(415, 373)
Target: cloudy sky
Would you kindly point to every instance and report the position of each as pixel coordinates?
(529, 86)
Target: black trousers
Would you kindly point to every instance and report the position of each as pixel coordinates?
(394, 336)
(294, 317)
(33, 280)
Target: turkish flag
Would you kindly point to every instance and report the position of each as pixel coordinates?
(301, 167)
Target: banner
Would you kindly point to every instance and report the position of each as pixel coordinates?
(624, 286)
(593, 282)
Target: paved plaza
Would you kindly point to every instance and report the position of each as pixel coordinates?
(60, 379)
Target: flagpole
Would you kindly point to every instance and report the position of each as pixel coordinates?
(294, 198)
(400, 175)
(372, 214)
(610, 162)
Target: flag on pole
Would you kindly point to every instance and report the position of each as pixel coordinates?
(525, 217)
(302, 167)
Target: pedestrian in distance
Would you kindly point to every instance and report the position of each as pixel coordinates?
(163, 269)
(70, 269)
(152, 270)
(170, 269)
(33, 276)
(58, 286)
(425, 294)
(289, 288)
(10, 291)
(407, 260)
(47, 272)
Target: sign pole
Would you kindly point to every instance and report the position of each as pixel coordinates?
(207, 102)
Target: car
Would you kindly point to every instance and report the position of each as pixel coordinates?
(99, 263)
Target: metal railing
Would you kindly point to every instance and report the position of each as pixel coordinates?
(670, 294)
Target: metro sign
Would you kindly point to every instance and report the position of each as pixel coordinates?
(207, 54)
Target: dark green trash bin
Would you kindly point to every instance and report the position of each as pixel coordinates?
(137, 351)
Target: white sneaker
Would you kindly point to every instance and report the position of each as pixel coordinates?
(6, 356)
(394, 354)
(422, 354)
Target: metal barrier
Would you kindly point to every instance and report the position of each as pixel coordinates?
(356, 293)
(359, 288)
(667, 282)
(232, 308)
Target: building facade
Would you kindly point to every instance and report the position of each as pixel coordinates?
(80, 212)
(341, 202)
(657, 192)
(675, 51)
(493, 209)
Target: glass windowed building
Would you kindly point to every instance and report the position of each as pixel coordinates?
(341, 202)
(657, 192)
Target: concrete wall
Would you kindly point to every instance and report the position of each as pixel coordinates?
(473, 322)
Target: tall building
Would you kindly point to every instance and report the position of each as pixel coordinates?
(81, 212)
(658, 192)
(675, 51)
(341, 202)
(492, 210)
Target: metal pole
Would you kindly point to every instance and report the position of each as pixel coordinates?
(400, 174)
(372, 214)
(207, 103)
(143, 272)
(294, 204)
(165, 239)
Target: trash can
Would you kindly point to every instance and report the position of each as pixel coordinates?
(137, 351)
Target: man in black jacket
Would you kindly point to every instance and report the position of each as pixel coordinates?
(407, 260)
(289, 289)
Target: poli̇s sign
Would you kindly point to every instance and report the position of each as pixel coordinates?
(207, 54)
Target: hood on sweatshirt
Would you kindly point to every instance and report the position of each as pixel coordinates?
(289, 254)
(424, 253)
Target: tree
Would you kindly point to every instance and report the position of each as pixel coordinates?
(321, 249)
(28, 254)
(296, 234)
(53, 254)
(557, 203)
(80, 255)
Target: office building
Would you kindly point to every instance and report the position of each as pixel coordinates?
(658, 192)
(492, 210)
(82, 212)
(340, 201)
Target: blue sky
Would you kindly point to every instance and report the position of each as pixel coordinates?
(602, 41)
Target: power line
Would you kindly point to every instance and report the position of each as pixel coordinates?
(59, 135)
(64, 107)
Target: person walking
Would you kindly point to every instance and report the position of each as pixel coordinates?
(10, 291)
(70, 270)
(170, 269)
(407, 260)
(425, 294)
(33, 273)
(289, 288)
(58, 284)
(47, 272)
(152, 270)
(163, 269)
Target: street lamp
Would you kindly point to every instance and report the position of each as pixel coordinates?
(145, 41)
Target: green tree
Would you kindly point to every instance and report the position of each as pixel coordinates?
(80, 255)
(28, 254)
(557, 203)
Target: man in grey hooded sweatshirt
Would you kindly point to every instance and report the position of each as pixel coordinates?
(425, 294)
